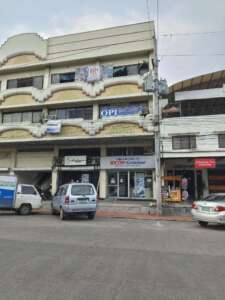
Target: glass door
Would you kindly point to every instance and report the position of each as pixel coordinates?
(123, 184)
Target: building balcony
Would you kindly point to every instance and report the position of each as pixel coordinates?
(76, 129)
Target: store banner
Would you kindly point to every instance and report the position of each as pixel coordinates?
(205, 163)
(94, 73)
(75, 160)
(127, 162)
(107, 111)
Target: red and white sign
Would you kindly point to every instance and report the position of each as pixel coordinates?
(205, 163)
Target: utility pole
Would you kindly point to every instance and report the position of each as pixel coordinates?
(157, 87)
(156, 120)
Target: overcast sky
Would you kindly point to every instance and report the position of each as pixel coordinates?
(57, 17)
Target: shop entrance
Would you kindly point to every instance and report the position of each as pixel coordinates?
(79, 176)
(192, 179)
(129, 184)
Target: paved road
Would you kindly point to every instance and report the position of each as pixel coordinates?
(109, 259)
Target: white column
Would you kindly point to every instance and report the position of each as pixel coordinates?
(4, 85)
(103, 178)
(95, 112)
(205, 182)
(55, 174)
(47, 79)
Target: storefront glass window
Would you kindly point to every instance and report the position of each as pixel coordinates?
(130, 184)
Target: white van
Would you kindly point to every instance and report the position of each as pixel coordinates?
(75, 198)
(21, 198)
(27, 198)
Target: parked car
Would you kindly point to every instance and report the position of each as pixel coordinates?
(21, 198)
(75, 198)
(209, 210)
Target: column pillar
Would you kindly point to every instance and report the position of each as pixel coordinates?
(95, 112)
(103, 178)
(205, 182)
(55, 173)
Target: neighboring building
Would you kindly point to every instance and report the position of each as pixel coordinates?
(193, 134)
(73, 108)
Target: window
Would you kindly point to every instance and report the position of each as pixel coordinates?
(184, 142)
(36, 82)
(77, 190)
(28, 190)
(85, 113)
(132, 151)
(27, 116)
(63, 78)
(135, 69)
(221, 138)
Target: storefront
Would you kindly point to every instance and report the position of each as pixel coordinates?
(129, 177)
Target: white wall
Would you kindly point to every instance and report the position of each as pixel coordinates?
(206, 129)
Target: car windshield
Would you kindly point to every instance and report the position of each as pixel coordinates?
(82, 190)
(216, 198)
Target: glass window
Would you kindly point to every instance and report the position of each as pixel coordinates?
(36, 82)
(27, 116)
(12, 84)
(183, 142)
(85, 113)
(37, 116)
(221, 138)
(82, 190)
(116, 151)
(63, 78)
(119, 71)
(143, 68)
(132, 70)
(28, 190)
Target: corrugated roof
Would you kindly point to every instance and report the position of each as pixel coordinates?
(205, 81)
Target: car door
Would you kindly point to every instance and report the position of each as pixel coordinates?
(28, 194)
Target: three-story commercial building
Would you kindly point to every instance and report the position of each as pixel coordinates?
(72, 108)
(193, 135)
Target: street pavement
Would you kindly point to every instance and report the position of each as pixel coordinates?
(42, 258)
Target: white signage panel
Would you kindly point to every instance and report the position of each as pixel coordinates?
(75, 160)
(127, 162)
(53, 127)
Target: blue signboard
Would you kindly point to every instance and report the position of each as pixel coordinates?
(8, 185)
(107, 111)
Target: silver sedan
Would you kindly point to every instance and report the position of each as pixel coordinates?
(209, 210)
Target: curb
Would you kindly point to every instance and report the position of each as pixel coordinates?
(133, 216)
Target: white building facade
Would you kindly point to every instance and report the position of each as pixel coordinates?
(193, 135)
(73, 108)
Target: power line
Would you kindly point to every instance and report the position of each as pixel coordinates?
(192, 55)
(171, 34)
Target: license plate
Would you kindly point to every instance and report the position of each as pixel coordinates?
(206, 209)
(82, 199)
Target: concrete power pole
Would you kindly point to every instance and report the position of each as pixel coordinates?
(156, 120)
(157, 87)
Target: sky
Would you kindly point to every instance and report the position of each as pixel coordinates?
(176, 17)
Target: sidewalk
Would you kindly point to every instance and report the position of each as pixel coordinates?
(127, 213)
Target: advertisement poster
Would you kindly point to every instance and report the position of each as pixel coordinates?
(85, 178)
(140, 185)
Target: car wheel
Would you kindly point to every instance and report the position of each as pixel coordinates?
(62, 214)
(25, 209)
(91, 215)
(203, 223)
